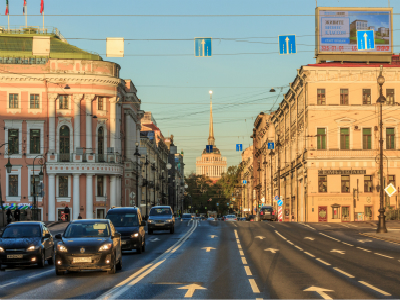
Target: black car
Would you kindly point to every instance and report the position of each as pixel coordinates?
(250, 218)
(128, 222)
(267, 213)
(89, 245)
(26, 243)
(161, 218)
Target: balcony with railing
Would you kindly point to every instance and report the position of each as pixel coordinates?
(88, 158)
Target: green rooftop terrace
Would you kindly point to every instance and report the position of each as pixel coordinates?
(17, 43)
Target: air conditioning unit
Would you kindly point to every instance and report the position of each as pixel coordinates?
(356, 127)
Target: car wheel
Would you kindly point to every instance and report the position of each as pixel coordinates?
(42, 261)
(50, 261)
(113, 269)
(150, 231)
(119, 264)
(58, 272)
(172, 230)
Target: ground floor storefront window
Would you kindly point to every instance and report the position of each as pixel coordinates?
(345, 213)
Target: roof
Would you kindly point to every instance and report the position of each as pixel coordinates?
(123, 208)
(90, 220)
(27, 223)
(18, 43)
(161, 207)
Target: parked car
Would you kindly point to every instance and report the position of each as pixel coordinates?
(230, 218)
(267, 213)
(250, 218)
(161, 218)
(91, 244)
(211, 219)
(26, 243)
(129, 223)
(242, 219)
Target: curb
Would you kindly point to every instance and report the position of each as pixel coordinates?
(392, 241)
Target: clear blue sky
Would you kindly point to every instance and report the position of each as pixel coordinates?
(175, 88)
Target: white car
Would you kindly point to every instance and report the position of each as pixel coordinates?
(230, 218)
(210, 219)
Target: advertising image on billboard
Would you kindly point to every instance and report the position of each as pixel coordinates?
(337, 29)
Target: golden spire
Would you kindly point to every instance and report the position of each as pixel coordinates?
(211, 139)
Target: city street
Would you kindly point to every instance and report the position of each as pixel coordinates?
(232, 260)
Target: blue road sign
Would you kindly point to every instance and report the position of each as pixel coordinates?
(271, 146)
(209, 148)
(244, 181)
(276, 198)
(239, 147)
(202, 47)
(280, 202)
(365, 39)
(287, 44)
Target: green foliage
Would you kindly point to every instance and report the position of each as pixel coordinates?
(229, 180)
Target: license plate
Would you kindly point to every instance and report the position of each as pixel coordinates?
(267, 213)
(14, 256)
(123, 242)
(81, 260)
(160, 224)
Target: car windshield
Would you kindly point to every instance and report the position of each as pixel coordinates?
(160, 212)
(123, 219)
(94, 229)
(22, 231)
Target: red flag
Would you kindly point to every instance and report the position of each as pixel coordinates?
(23, 10)
(7, 12)
(42, 6)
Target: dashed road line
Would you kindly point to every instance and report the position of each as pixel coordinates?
(375, 289)
(39, 274)
(241, 253)
(347, 244)
(244, 261)
(289, 242)
(301, 249)
(247, 269)
(366, 250)
(343, 272)
(383, 255)
(238, 241)
(236, 235)
(329, 237)
(9, 283)
(324, 262)
(309, 254)
(254, 286)
(239, 246)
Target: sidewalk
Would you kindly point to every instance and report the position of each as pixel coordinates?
(393, 236)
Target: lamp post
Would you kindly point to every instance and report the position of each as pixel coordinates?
(259, 190)
(169, 166)
(153, 168)
(35, 216)
(381, 100)
(137, 154)
(8, 169)
(146, 164)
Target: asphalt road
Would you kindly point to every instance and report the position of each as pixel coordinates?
(231, 260)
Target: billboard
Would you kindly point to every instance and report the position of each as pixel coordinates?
(336, 29)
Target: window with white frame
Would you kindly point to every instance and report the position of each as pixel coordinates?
(63, 186)
(12, 100)
(13, 185)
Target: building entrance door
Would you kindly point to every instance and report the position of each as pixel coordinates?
(345, 213)
(100, 213)
(368, 213)
(322, 213)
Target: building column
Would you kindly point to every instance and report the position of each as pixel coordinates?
(113, 200)
(52, 198)
(89, 196)
(76, 203)
(77, 121)
(52, 120)
(89, 118)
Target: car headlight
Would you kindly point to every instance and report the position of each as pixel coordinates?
(32, 248)
(62, 248)
(134, 235)
(105, 247)
(149, 221)
(169, 220)
(1, 249)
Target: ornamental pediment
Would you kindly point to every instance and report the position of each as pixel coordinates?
(391, 121)
(345, 120)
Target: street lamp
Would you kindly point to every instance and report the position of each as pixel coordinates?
(8, 168)
(137, 154)
(381, 100)
(169, 166)
(35, 216)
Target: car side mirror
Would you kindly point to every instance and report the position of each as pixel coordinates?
(116, 235)
(58, 236)
(143, 223)
(47, 236)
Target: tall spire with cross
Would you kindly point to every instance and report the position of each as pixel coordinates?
(211, 140)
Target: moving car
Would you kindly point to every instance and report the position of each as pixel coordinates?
(267, 213)
(129, 223)
(230, 218)
(187, 217)
(161, 218)
(211, 219)
(26, 243)
(91, 244)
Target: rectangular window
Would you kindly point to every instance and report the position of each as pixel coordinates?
(100, 102)
(321, 138)
(321, 100)
(345, 213)
(34, 101)
(63, 186)
(13, 141)
(322, 184)
(35, 184)
(367, 183)
(345, 183)
(366, 96)
(335, 212)
(13, 185)
(64, 101)
(367, 138)
(13, 100)
(344, 97)
(100, 186)
(392, 180)
(344, 138)
(389, 138)
(34, 143)
(390, 96)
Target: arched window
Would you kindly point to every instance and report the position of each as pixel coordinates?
(100, 144)
(64, 144)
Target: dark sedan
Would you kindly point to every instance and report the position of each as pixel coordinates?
(161, 218)
(26, 243)
(89, 245)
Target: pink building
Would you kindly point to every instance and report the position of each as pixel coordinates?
(72, 113)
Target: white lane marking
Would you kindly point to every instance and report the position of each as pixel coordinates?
(238, 241)
(191, 288)
(39, 274)
(345, 225)
(309, 254)
(366, 250)
(290, 242)
(239, 246)
(364, 241)
(320, 291)
(213, 236)
(254, 286)
(244, 261)
(273, 250)
(343, 272)
(375, 289)
(247, 269)
(383, 255)
(125, 285)
(347, 244)
(309, 238)
(337, 251)
(329, 237)
(208, 249)
(324, 262)
(9, 283)
(301, 249)
(154, 240)
(260, 237)
(276, 231)
(241, 253)
(310, 227)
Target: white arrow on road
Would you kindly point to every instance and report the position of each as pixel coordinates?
(154, 240)
(213, 236)
(191, 288)
(208, 249)
(273, 250)
(338, 251)
(260, 237)
(320, 291)
(365, 241)
(309, 238)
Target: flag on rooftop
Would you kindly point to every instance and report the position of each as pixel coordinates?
(7, 11)
(42, 6)
(23, 10)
